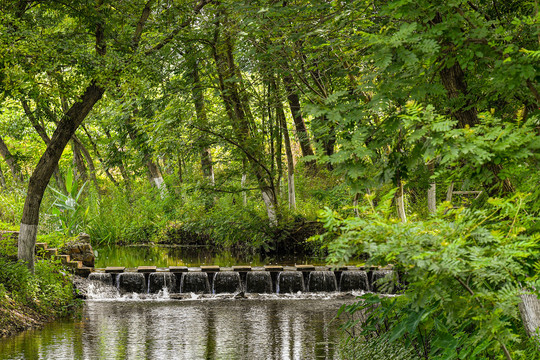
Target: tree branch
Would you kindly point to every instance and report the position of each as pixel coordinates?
(140, 25)
(173, 33)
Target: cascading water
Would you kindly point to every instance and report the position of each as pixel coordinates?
(259, 282)
(290, 282)
(226, 282)
(160, 284)
(322, 281)
(195, 282)
(105, 278)
(160, 281)
(354, 280)
(130, 282)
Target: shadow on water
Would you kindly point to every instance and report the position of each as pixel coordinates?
(189, 329)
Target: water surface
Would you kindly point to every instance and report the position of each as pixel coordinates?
(164, 256)
(266, 328)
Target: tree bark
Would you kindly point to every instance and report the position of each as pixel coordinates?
(400, 203)
(198, 101)
(237, 107)
(11, 161)
(154, 175)
(79, 162)
(280, 115)
(529, 309)
(92, 168)
(2, 179)
(300, 126)
(101, 161)
(43, 135)
(432, 191)
(45, 167)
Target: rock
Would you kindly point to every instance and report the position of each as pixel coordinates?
(80, 251)
(84, 238)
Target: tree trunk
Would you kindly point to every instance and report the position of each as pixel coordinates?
(101, 161)
(154, 175)
(2, 179)
(11, 161)
(79, 162)
(529, 309)
(45, 167)
(300, 126)
(243, 183)
(198, 100)
(280, 115)
(237, 107)
(400, 203)
(453, 80)
(432, 191)
(82, 149)
(43, 135)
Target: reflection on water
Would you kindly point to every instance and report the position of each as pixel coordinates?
(192, 329)
(164, 256)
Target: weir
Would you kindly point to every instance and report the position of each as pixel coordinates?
(254, 280)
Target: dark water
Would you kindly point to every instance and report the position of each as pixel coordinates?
(191, 329)
(164, 256)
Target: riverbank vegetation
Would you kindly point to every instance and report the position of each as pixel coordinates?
(30, 300)
(415, 125)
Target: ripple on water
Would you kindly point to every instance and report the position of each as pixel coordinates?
(269, 326)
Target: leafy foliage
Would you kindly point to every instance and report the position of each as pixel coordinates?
(464, 270)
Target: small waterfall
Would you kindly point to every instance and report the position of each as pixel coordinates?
(132, 282)
(195, 282)
(322, 281)
(226, 282)
(258, 282)
(354, 280)
(384, 281)
(105, 278)
(290, 282)
(161, 280)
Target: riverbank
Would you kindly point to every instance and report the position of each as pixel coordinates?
(29, 301)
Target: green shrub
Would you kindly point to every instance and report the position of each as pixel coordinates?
(464, 269)
(48, 290)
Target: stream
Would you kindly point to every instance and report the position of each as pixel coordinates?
(271, 326)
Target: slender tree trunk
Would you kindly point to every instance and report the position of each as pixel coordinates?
(449, 192)
(243, 182)
(300, 126)
(2, 179)
(280, 115)
(154, 175)
(400, 202)
(356, 199)
(432, 191)
(11, 161)
(91, 166)
(237, 108)
(79, 162)
(40, 129)
(101, 161)
(198, 100)
(120, 163)
(42, 173)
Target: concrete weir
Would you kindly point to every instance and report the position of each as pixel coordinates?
(290, 282)
(195, 282)
(256, 280)
(226, 282)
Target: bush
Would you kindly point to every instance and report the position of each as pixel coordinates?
(464, 269)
